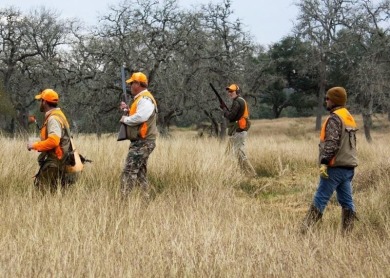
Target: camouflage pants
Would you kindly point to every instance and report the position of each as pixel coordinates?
(135, 169)
(49, 178)
(52, 175)
(236, 147)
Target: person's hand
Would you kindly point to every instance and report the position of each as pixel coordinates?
(123, 106)
(31, 119)
(29, 146)
(122, 120)
(324, 171)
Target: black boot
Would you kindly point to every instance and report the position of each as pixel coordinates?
(313, 215)
(348, 217)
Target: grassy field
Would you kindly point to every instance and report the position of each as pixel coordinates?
(205, 219)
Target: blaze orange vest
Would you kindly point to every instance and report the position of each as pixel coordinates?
(147, 129)
(243, 122)
(57, 113)
(346, 155)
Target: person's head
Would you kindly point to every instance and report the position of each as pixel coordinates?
(233, 90)
(137, 82)
(336, 96)
(49, 99)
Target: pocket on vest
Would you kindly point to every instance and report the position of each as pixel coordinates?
(351, 136)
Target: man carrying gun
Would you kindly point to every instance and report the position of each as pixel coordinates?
(239, 123)
(142, 133)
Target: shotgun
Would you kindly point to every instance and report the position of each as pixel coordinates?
(222, 104)
(122, 135)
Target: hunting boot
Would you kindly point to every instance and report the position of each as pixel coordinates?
(348, 217)
(313, 215)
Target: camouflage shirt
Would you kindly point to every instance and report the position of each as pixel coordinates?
(333, 132)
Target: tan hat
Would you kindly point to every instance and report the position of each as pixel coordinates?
(139, 77)
(337, 95)
(48, 95)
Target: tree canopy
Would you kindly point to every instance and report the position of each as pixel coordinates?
(343, 43)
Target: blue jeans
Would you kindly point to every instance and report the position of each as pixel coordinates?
(340, 180)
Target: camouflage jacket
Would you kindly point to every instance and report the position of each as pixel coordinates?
(333, 138)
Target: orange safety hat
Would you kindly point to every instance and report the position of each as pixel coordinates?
(48, 95)
(233, 87)
(139, 77)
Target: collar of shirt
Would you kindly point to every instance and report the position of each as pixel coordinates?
(137, 95)
(51, 110)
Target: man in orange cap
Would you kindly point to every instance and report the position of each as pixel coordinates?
(238, 117)
(142, 127)
(54, 144)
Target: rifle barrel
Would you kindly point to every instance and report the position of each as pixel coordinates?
(124, 83)
(219, 97)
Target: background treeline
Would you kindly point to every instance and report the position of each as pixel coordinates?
(343, 42)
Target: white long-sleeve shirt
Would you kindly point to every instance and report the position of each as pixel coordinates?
(144, 110)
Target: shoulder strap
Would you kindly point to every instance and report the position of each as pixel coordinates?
(63, 122)
(67, 130)
(242, 103)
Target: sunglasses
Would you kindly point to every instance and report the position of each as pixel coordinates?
(326, 98)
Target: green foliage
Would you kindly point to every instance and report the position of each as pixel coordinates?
(292, 82)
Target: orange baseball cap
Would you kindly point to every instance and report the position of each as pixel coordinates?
(48, 95)
(139, 77)
(233, 87)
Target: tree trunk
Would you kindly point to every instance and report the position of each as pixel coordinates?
(165, 122)
(276, 111)
(367, 123)
(320, 105)
(95, 126)
(388, 114)
(367, 119)
(223, 128)
(215, 126)
(12, 127)
(321, 94)
(163, 128)
(218, 129)
(22, 119)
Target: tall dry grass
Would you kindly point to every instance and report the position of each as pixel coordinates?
(205, 219)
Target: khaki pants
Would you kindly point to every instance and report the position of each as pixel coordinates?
(236, 147)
